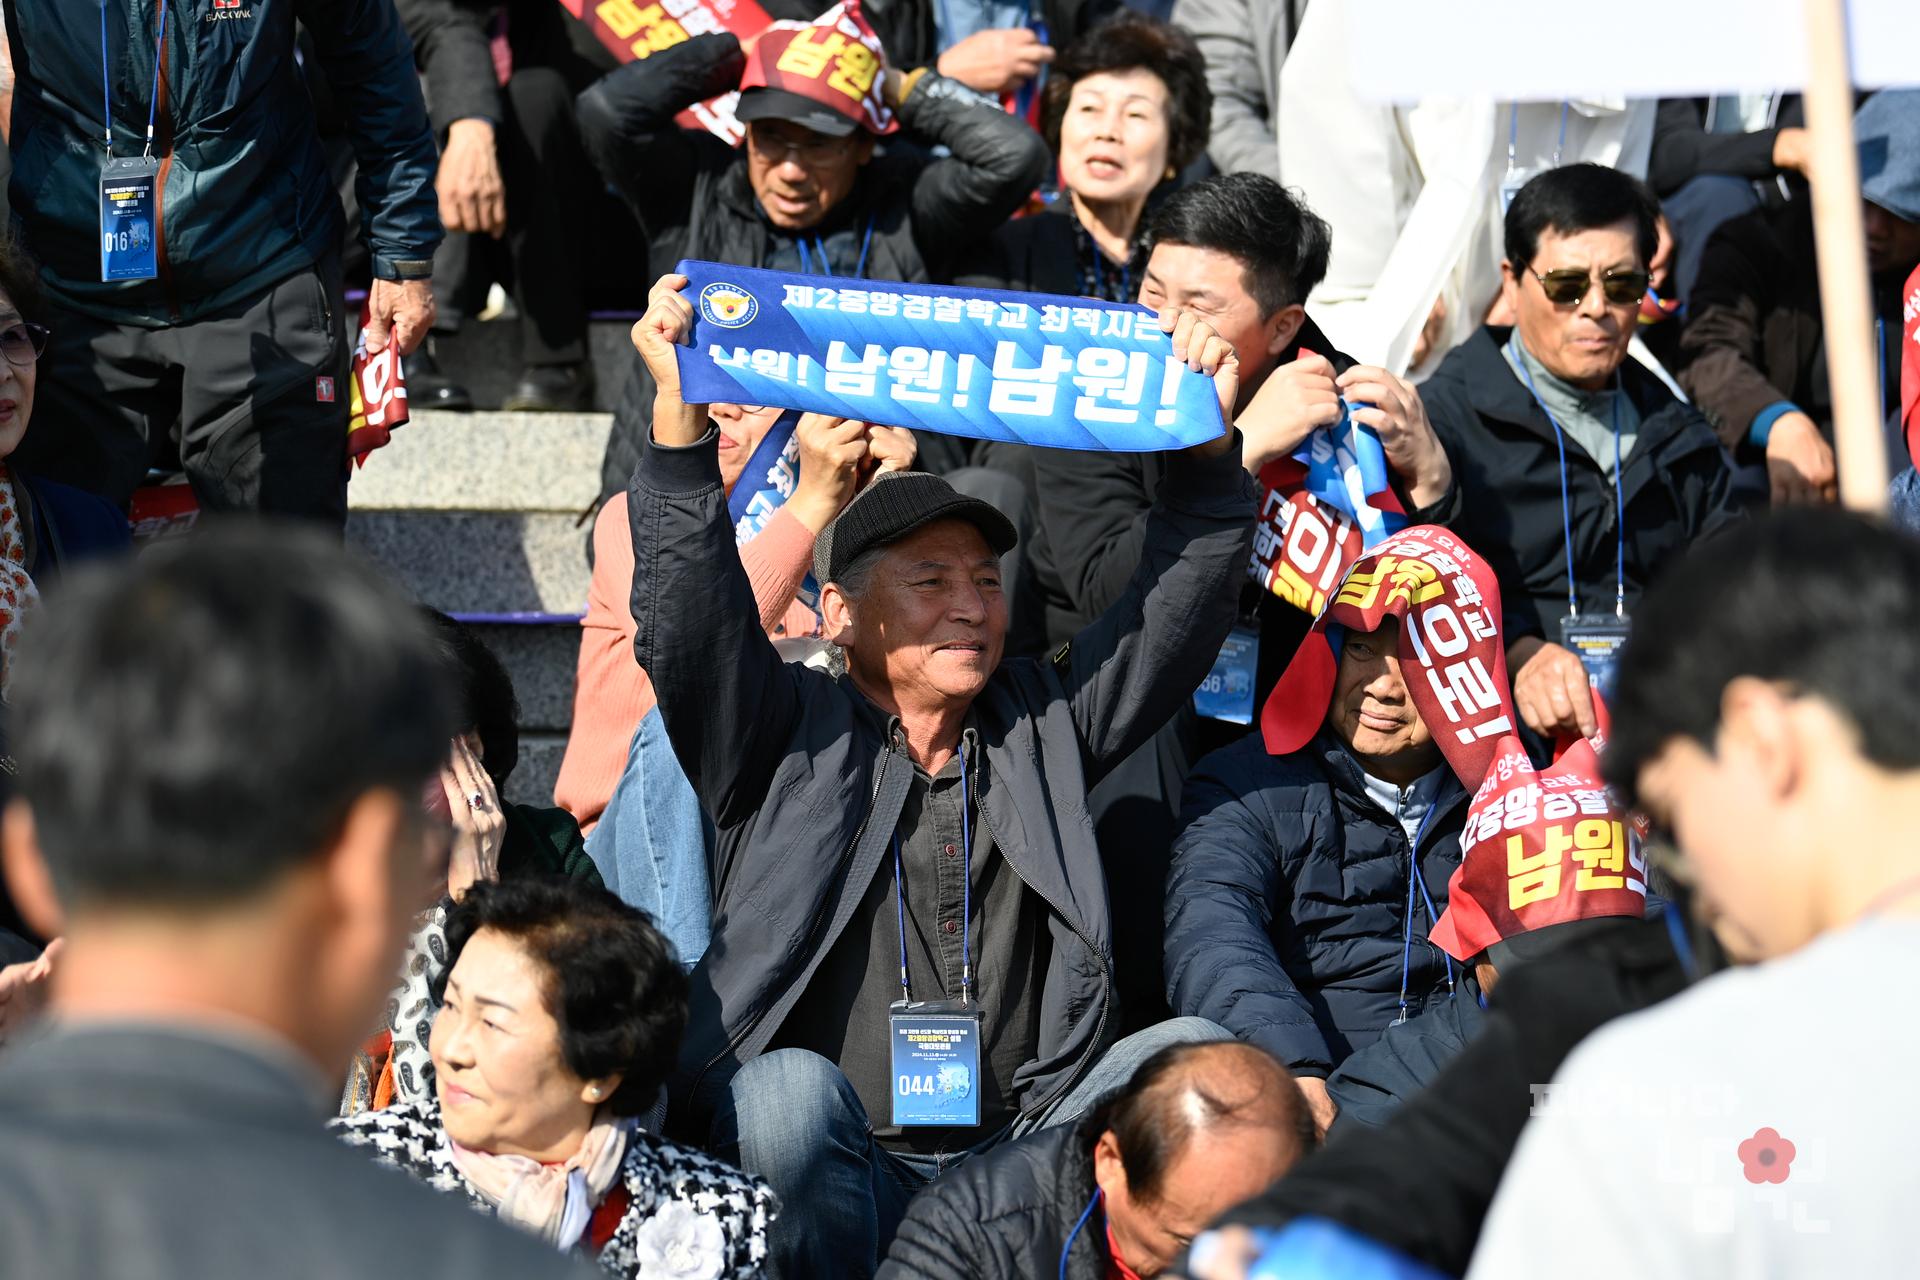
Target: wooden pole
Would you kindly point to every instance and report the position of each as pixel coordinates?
(1840, 237)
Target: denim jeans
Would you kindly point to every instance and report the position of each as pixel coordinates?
(651, 845)
(791, 1117)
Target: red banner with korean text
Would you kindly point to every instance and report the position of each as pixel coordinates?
(376, 395)
(634, 30)
(1540, 847)
(835, 59)
(1302, 547)
(1448, 604)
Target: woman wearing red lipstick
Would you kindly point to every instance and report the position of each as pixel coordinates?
(560, 1011)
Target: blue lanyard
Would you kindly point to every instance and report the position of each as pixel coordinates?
(106, 80)
(1566, 505)
(966, 894)
(1513, 137)
(826, 260)
(1074, 1234)
(1414, 878)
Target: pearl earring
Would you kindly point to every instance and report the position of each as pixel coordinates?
(594, 1093)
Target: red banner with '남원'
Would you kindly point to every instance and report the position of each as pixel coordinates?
(637, 29)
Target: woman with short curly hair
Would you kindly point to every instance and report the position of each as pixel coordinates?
(1126, 108)
(561, 1011)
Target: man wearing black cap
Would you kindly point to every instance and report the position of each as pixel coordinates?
(805, 191)
(912, 830)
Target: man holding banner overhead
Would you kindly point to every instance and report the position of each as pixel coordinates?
(912, 953)
(805, 191)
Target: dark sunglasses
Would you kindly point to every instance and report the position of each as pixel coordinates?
(22, 343)
(1567, 285)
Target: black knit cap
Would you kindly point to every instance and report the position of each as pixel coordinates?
(894, 505)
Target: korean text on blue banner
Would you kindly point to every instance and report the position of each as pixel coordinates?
(1065, 373)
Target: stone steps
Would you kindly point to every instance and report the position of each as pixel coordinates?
(485, 357)
(487, 515)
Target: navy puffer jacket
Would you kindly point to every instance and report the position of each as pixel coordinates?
(1287, 902)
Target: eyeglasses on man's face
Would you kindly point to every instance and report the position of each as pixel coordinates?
(1566, 286)
(806, 146)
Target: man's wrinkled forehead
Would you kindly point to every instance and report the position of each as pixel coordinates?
(941, 544)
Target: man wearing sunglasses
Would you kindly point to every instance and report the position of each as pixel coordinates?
(1580, 473)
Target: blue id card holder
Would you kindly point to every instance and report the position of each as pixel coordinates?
(1596, 640)
(1227, 692)
(936, 1063)
(129, 232)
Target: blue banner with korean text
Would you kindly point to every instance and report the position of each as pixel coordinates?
(1031, 368)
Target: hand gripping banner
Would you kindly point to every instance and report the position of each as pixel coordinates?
(1064, 373)
(1320, 510)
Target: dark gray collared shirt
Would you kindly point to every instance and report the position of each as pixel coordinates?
(843, 1014)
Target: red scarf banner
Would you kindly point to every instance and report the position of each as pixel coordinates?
(836, 60)
(634, 30)
(1540, 847)
(1448, 604)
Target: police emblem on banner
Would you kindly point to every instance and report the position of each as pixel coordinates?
(727, 305)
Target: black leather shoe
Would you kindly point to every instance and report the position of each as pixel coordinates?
(428, 388)
(552, 388)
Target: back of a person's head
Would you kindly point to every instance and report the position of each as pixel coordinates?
(192, 724)
(1575, 198)
(1818, 600)
(1185, 1092)
(1283, 245)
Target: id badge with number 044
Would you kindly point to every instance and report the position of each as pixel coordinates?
(129, 231)
(936, 1062)
(1596, 641)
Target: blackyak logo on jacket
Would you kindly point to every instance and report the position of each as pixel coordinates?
(226, 10)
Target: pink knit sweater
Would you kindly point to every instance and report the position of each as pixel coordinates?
(611, 693)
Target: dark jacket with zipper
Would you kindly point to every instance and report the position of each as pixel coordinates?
(1677, 487)
(692, 195)
(245, 197)
(1007, 1215)
(805, 779)
(1287, 902)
